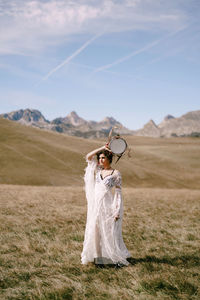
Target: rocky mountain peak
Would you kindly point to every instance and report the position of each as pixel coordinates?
(110, 121)
(33, 115)
(168, 117)
(149, 129)
(192, 115)
(73, 114)
(166, 120)
(151, 123)
(74, 119)
(25, 116)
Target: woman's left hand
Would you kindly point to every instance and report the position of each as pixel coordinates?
(117, 218)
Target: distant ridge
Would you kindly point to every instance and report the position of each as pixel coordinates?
(72, 124)
(186, 125)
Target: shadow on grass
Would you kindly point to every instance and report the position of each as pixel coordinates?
(184, 260)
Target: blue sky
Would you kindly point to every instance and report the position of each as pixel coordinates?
(134, 60)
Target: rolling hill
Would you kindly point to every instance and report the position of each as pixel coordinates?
(30, 156)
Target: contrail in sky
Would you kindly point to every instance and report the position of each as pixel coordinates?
(149, 46)
(66, 61)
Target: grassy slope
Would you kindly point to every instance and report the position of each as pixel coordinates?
(30, 156)
(42, 231)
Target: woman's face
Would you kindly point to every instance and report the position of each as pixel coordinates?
(103, 161)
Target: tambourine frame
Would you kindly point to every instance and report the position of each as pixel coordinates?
(116, 138)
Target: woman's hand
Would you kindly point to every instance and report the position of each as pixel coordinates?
(107, 147)
(117, 217)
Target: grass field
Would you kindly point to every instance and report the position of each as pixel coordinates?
(43, 216)
(42, 232)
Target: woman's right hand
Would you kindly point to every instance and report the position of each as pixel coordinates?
(107, 147)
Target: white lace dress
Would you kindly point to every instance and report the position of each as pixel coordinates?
(103, 235)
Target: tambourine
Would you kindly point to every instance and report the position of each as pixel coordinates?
(118, 145)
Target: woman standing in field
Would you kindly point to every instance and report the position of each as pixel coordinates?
(103, 233)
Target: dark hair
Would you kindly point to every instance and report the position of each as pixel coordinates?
(107, 154)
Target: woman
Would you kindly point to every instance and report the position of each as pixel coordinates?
(103, 233)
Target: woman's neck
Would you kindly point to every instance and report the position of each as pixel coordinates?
(107, 168)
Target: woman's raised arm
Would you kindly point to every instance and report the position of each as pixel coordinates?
(91, 154)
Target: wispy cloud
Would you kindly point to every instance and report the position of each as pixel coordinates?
(139, 51)
(119, 74)
(127, 57)
(68, 59)
(35, 25)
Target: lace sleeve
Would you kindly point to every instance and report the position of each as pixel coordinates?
(90, 170)
(118, 204)
(118, 181)
(89, 179)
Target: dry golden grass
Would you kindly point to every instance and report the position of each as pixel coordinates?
(42, 232)
(43, 215)
(31, 156)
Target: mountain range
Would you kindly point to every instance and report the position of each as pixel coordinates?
(72, 124)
